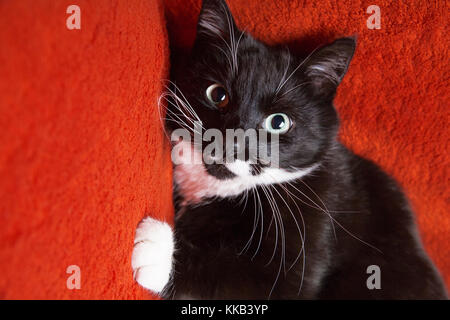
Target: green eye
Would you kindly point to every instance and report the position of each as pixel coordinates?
(277, 123)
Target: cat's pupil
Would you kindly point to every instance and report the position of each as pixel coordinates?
(218, 95)
(278, 122)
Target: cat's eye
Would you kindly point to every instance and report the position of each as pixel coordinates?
(217, 94)
(277, 123)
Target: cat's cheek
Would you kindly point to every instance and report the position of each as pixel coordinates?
(152, 258)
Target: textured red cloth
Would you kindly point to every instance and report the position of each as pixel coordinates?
(82, 157)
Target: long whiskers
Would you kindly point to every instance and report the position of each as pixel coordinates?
(302, 251)
(183, 101)
(334, 221)
(286, 79)
(179, 110)
(278, 220)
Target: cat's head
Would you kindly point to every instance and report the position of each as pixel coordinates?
(234, 81)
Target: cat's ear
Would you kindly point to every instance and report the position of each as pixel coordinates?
(326, 67)
(215, 22)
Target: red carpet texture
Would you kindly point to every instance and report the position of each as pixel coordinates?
(82, 154)
(83, 157)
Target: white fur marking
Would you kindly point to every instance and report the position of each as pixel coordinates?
(152, 254)
(195, 183)
(239, 168)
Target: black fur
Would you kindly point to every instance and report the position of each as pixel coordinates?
(371, 221)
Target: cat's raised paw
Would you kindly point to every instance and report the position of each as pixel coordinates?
(152, 254)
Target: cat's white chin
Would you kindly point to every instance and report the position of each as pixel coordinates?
(195, 184)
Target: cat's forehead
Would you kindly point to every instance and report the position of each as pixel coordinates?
(261, 66)
(242, 62)
(255, 53)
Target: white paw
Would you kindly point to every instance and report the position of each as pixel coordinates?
(152, 254)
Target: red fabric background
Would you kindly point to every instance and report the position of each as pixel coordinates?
(82, 157)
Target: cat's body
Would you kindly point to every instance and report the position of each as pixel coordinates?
(210, 237)
(326, 224)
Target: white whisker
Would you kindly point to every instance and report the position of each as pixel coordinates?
(293, 72)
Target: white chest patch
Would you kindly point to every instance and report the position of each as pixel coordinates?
(195, 183)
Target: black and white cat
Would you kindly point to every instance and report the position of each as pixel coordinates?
(309, 229)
